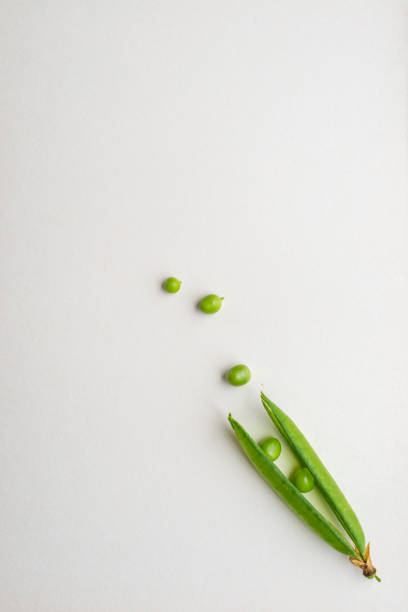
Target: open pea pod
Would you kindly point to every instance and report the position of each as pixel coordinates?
(326, 483)
(288, 492)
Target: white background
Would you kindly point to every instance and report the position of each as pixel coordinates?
(254, 149)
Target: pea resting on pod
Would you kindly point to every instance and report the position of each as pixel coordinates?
(271, 447)
(303, 480)
(313, 471)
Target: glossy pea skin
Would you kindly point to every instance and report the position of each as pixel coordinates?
(172, 284)
(210, 303)
(303, 480)
(239, 375)
(271, 447)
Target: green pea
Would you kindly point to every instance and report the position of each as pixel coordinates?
(211, 303)
(303, 480)
(271, 447)
(171, 284)
(239, 375)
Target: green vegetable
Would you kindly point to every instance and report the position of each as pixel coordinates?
(303, 480)
(323, 479)
(271, 447)
(288, 492)
(314, 468)
(211, 303)
(239, 375)
(171, 284)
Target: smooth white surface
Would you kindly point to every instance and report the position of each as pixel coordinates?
(255, 149)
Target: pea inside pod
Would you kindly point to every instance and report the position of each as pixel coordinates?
(303, 480)
(271, 447)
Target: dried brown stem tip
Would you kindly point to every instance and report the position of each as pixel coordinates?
(365, 564)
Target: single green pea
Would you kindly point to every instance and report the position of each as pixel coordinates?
(271, 447)
(171, 284)
(303, 480)
(211, 303)
(239, 375)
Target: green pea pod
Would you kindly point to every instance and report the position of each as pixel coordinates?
(288, 492)
(326, 483)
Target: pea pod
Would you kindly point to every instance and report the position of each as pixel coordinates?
(326, 483)
(288, 492)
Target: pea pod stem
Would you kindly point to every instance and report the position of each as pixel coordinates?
(288, 492)
(366, 564)
(325, 482)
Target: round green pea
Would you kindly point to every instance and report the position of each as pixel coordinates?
(271, 447)
(239, 375)
(171, 284)
(303, 480)
(211, 303)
